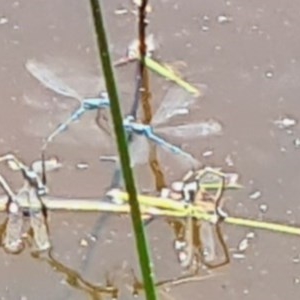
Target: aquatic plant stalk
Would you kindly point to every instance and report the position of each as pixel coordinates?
(141, 242)
(149, 205)
(145, 93)
(170, 75)
(182, 210)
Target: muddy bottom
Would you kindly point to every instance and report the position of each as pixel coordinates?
(247, 56)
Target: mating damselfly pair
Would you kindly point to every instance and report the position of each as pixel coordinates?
(176, 102)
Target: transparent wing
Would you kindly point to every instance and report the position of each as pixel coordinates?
(183, 157)
(38, 223)
(139, 150)
(48, 78)
(193, 130)
(176, 102)
(12, 240)
(208, 241)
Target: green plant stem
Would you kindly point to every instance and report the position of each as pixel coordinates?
(140, 237)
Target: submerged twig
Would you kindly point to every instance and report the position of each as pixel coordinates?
(146, 96)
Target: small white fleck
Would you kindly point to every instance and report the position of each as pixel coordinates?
(178, 245)
(243, 245)
(255, 195)
(269, 74)
(223, 19)
(283, 149)
(263, 208)
(296, 259)
(204, 28)
(82, 166)
(207, 153)
(121, 11)
(284, 123)
(3, 20)
(83, 243)
(238, 255)
(296, 143)
(250, 235)
(246, 292)
(182, 256)
(229, 161)
(296, 280)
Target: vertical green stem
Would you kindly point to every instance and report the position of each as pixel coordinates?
(140, 237)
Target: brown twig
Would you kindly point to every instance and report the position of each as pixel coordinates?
(146, 95)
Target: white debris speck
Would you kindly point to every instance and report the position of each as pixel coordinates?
(283, 149)
(245, 292)
(243, 245)
(204, 28)
(179, 244)
(296, 143)
(255, 195)
(223, 19)
(284, 123)
(82, 166)
(182, 256)
(207, 153)
(92, 238)
(229, 161)
(263, 208)
(238, 255)
(250, 235)
(83, 243)
(3, 20)
(121, 11)
(296, 280)
(296, 259)
(269, 74)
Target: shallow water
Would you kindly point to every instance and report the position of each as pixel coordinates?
(248, 57)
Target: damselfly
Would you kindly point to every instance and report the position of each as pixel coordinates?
(176, 102)
(197, 238)
(32, 190)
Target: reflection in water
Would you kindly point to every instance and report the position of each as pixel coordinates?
(96, 292)
(75, 280)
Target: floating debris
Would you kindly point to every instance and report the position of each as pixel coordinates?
(255, 195)
(243, 245)
(296, 259)
(296, 143)
(269, 74)
(121, 11)
(229, 161)
(250, 235)
(238, 255)
(207, 153)
(284, 123)
(82, 166)
(263, 208)
(223, 19)
(83, 243)
(3, 20)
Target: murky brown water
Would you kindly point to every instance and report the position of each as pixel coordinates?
(248, 56)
